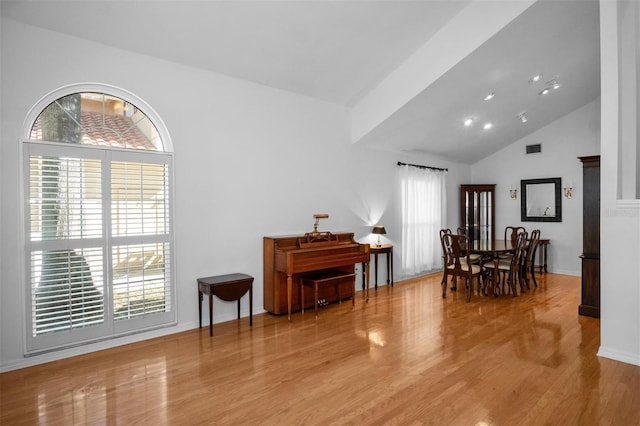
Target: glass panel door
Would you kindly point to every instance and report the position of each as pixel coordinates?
(477, 216)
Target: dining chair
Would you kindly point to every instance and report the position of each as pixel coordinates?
(511, 233)
(529, 258)
(458, 263)
(444, 253)
(511, 268)
(475, 258)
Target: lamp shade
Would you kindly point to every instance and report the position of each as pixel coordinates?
(379, 229)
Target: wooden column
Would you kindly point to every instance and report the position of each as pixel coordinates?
(590, 305)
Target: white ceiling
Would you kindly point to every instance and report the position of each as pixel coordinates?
(559, 39)
(338, 51)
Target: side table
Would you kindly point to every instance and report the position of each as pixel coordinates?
(542, 243)
(383, 249)
(227, 287)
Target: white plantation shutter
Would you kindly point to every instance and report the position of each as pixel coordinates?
(98, 243)
(98, 224)
(65, 289)
(141, 249)
(139, 194)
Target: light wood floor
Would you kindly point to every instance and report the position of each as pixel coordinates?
(407, 358)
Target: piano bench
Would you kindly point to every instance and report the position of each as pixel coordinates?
(322, 278)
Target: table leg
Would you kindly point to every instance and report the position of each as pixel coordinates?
(211, 313)
(388, 269)
(251, 305)
(238, 308)
(363, 277)
(375, 259)
(353, 294)
(391, 257)
(540, 260)
(200, 308)
(545, 257)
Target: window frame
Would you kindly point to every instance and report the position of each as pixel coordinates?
(110, 328)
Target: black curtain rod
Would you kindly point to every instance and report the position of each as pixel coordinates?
(422, 167)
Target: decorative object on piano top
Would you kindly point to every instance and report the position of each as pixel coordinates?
(316, 237)
(322, 239)
(317, 217)
(379, 230)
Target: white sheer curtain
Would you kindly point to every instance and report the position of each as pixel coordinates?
(424, 205)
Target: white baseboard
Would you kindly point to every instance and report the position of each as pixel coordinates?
(573, 273)
(626, 357)
(55, 355)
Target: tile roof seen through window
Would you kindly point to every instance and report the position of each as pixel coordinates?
(111, 130)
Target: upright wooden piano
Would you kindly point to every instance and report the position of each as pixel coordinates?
(286, 257)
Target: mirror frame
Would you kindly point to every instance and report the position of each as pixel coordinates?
(558, 200)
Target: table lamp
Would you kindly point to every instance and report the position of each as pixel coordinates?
(379, 230)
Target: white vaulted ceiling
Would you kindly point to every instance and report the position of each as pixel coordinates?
(344, 51)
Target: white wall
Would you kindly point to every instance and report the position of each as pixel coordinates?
(620, 219)
(576, 134)
(250, 161)
(629, 76)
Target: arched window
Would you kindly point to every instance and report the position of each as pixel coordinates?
(98, 191)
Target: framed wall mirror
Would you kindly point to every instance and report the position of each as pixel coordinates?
(541, 200)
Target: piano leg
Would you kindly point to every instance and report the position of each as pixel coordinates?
(289, 291)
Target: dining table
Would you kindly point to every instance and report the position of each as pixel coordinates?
(492, 247)
(490, 251)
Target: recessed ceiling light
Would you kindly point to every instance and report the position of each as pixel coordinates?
(487, 126)
(523, 117)
(468, 122)
(490, 96)
(551, 84)
(536, 78)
